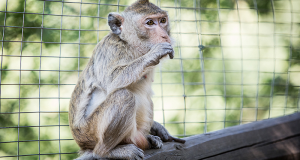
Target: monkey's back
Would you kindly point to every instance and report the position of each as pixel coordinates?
(109, 54)
(89, 79)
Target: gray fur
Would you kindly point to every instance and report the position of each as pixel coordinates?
(111, 111)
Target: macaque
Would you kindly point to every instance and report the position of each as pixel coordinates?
(111, 111)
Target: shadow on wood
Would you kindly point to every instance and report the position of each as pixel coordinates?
(275, 139)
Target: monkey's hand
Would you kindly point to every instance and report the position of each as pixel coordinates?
(159, 51)
(154, 142)
(162, 49)
(160, 131)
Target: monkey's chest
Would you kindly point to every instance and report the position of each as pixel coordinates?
(144, 111)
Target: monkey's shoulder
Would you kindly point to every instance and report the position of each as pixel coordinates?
(112, 52)
(112, 41)
(111, 48)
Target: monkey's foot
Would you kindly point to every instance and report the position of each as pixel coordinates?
(128, 151)
(87, 155)
(154, 142)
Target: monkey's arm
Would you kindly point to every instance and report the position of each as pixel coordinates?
(160, 131)
(125, 75)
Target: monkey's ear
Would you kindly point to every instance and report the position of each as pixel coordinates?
(115, 21)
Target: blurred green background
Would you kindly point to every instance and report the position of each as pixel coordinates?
(235, 62)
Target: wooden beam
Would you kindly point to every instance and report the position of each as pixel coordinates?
(276, 139)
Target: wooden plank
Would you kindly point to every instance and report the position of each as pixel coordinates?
(277, 138)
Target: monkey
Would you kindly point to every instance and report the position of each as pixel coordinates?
(111, 111)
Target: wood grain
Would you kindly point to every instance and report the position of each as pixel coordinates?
(276, 139)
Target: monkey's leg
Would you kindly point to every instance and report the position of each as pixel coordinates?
(120, 119)
(160, 131)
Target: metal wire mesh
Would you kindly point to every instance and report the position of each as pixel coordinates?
(236, 61)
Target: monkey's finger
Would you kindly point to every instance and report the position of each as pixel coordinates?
(140, 154)
(171, 55)
(170, 52)
(140, 150)
(139, 157)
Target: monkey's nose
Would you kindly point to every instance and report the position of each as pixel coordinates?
(166, 38)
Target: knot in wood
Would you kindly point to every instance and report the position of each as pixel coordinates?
(179, 147)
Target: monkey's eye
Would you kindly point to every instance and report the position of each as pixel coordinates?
(163, 20)
(150, 22)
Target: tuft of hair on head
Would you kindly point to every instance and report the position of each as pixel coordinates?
(143, 1)
(144, 7)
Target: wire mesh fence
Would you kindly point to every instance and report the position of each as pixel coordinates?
(236, 61)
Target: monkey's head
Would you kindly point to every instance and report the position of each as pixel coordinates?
(142, 24)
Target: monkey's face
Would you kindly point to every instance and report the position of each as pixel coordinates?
(141, 31)
(155, 28)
